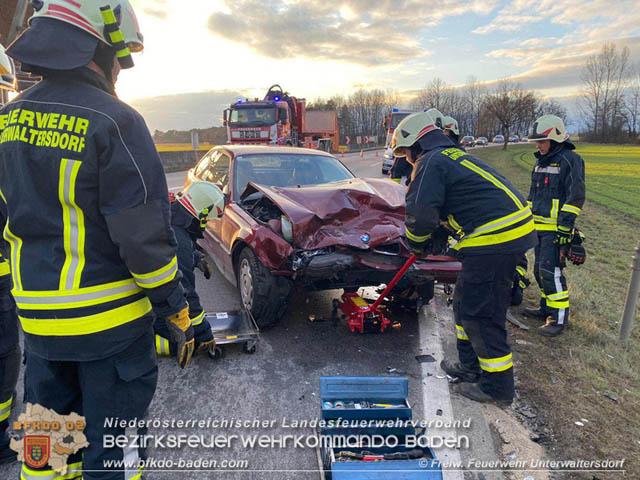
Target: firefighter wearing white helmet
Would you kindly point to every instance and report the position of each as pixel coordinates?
(81, 164)
(451, 128)
(196, 204)
(556, 197)
(10, 355)
(493, 227)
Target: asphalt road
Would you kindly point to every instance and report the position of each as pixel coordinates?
(280, 382)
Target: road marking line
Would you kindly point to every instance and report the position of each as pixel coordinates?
(435, 391)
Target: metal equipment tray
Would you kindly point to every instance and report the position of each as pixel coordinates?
(233, 327)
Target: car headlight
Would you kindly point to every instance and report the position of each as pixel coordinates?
(287, 228)
(387, 156)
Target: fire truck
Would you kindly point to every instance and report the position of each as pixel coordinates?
(389, 123)
(281, 119)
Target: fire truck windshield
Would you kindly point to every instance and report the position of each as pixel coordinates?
(396, 118)
(252, 116)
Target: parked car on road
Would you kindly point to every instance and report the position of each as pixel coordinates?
(498, 139)
(514, 138)
(524, 138)
(482, 141)
(298, 218)
(387, 161)
(468, 141)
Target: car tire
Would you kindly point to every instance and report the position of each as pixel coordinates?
(263, 294)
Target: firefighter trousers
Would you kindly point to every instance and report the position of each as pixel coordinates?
(554, 298)
(117, 387)
(9, 372)
(481, 298)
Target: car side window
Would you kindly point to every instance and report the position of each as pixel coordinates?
(218, 170)
(203, 164)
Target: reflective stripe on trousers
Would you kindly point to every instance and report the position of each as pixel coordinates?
(74, 472)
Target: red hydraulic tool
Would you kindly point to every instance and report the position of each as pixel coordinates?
(368, 318)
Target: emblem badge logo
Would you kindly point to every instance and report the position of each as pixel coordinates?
(36, 450)
(365, 238)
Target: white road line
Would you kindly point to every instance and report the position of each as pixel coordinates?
(435, 391)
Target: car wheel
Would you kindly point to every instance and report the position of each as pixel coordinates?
(262, 293)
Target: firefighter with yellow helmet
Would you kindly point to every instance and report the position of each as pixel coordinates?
(192, 208)
(9, 341)
(556, 197)
(85, 209)
(493, 226)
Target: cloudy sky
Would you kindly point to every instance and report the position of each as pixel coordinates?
(200, 55)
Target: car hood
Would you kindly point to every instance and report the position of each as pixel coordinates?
(358, 212)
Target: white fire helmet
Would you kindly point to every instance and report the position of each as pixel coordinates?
(7, 72)
(413, 128)
(203, 200)
(548, 127)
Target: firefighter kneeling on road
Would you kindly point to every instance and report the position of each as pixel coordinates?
(197, 203)
(84, 206)
(493, 226)
(556, 198)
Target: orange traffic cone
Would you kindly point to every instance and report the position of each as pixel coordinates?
(362, 153)
(376, 153)
(343, 154)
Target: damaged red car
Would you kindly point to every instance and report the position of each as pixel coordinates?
(299, 219)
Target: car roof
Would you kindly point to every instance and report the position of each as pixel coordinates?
(237, 150)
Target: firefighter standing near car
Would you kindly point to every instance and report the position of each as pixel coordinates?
(9, 341)
(190, 210)
(450, 127)
(556, 198)
(493, 226)
(86, 214)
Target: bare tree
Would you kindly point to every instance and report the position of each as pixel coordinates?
(552, 107)
(605, 77)
(511, 106)
(632, 111)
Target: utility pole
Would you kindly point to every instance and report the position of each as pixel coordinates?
(632, 298)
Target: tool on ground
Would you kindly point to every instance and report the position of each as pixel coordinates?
(513, 320)
(369, 318)
(371, 457)
(233, 327)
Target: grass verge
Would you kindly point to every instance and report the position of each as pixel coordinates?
(587, 373)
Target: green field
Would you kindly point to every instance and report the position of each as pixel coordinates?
(612, 174)
(576, 375)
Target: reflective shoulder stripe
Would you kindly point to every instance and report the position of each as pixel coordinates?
(486, 175)
(5, 409)
(462, 335)
(571, 209)
(59, 327)
(81, 297)
(73, 225)
(551, 170)
(417, 238)
(496, 364)
(496, 238)
(158, 277)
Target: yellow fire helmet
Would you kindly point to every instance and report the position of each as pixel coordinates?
(548, 127)
(112, 21)
(451, 124)
(7, 72)
(203, 200)
(413, 128)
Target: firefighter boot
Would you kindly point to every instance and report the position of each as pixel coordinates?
(6, 454)
(551, 328)
(475, 393)
(534, 312)
(463, 372)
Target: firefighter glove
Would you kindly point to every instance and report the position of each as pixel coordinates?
(577, 254)
(181, 332)
(202, 264)
(564, 235)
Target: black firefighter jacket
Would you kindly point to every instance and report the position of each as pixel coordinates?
(557, 188)
(483, 209)
(84, 207)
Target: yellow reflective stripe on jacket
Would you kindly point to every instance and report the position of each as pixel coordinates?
(162, 346)
(555, 204)
(397, 180)
(81, 297)
(492, 179)
(73, 225)
(417, 238)
(496, 238)
(500, 223)
(88, 324)
(158, 277)
(74, 472)
(5, 409)
(454, 224)
(16, 245)
(461, 333)
(4, 268)
(496, 364)
(197, 320)
(571, 209)
(521, 270)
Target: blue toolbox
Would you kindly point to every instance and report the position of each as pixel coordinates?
(371, 407)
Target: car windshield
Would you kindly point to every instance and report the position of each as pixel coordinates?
(468, 139)
(396, 118)
(252, 116)
(286, 170)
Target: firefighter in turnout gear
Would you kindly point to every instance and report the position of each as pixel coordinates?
(556, 198)
(85, 209)
(190, 211)
(450, 127)
(493, 226)
(9, 341)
